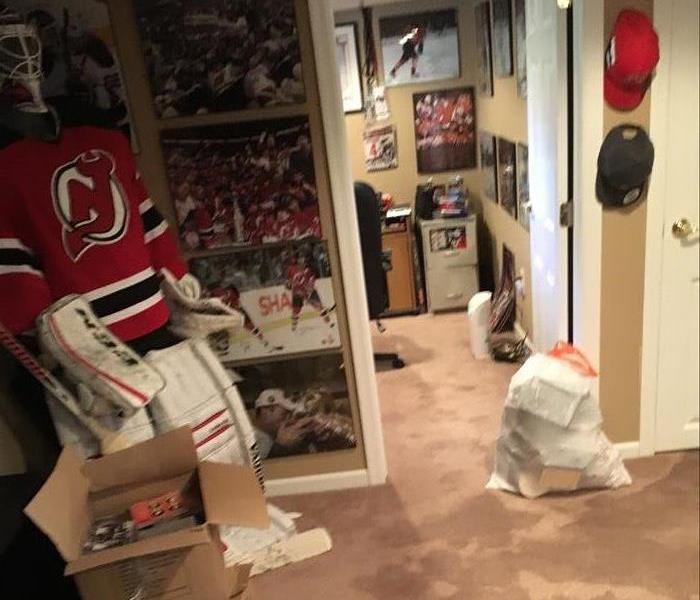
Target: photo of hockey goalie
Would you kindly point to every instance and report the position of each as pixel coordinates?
(420, 47)
(242, 185)
(298, 406)
(445, 130)
(218, 55)
(79, 59)
(285, 294)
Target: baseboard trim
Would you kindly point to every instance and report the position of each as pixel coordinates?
(310, 484)
(628, 450)
(520, 331)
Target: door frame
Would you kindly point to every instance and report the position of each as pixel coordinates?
(653, 267)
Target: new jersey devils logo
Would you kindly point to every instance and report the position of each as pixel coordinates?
(90, 202)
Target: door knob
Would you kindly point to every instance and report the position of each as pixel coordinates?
(683, 228)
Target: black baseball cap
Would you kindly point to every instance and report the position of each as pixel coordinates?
(625, 161)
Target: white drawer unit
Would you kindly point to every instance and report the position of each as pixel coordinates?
(451, 262)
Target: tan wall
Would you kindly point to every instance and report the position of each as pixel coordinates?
(504, 114)
(622, 281)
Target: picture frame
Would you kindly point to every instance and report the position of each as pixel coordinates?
(482, 39)
(520, 47)
(507, 193)
(502, 37)
(350, 67)
(380, 148)
(285, 294)
(523, 185)
(308, 394)
(244, 184)
(221, 57)
(420, 47)
(445, 130)
(489, 175)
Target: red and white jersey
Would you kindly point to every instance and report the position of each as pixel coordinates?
(301, 280)
(75, 218)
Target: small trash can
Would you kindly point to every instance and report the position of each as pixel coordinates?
(479, 310)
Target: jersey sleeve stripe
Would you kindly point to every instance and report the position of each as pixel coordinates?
(8, 269)
(155, 232)
(17, 257)
(146, 205)
(13, 244)
(151, 219)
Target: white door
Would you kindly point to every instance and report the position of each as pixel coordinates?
(548, 141)
(678, 391)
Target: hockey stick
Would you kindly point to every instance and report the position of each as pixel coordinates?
(110, 441)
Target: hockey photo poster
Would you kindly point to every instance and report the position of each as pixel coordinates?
(242, 185)
(520, 48)
(445, 130)
(489, 177)
(298, 406)
(79, 58)
(285, 294)
(506, 177)
(220, 55)
(482, 14)
(502, 39)
(420, 47)
(523, 186)
(380, 149)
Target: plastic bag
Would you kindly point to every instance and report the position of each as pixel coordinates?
(551, 435)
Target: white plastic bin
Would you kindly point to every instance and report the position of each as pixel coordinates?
(479, 310)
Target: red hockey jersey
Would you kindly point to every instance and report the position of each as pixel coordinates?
(301, 280)
(76, 219)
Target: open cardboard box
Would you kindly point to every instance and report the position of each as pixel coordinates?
(187, 564)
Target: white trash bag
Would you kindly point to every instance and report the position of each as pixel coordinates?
(551, 437)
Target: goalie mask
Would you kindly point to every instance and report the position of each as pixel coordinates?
(20, 63)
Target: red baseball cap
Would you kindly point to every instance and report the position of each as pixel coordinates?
(632, 56)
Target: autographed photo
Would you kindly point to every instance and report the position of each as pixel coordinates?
(242, 185)
(285, 294)
(217, 55)
(298, 406)
(420, 47)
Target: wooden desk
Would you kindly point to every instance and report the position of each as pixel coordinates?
(400, 280)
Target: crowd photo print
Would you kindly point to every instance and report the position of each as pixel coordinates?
(284, 293)
(445, 130)
(242, 185)
(220, 55)
(298, 406)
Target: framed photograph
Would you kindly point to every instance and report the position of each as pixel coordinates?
(380, 149)
(445, 127)
(298, 406)
(285, 294)
(244, 184)
(220, 55)
(420, 47)
(506, 177)
(520, 48)
(523, 187)
(79, 60)
(489, 179)
(482, 15)
(502, 39)
(348, 57)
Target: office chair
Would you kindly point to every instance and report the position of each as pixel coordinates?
(375, 263)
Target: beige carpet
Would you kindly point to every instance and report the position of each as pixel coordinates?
(434, 533)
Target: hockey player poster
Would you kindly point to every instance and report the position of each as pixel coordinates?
(420, 47)
(79, 58)
(285, 293)
(507, 193)
(445, 130)
(298, 406)
(242, 185)
(219, 55)
(489, 178)
(380, 149)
